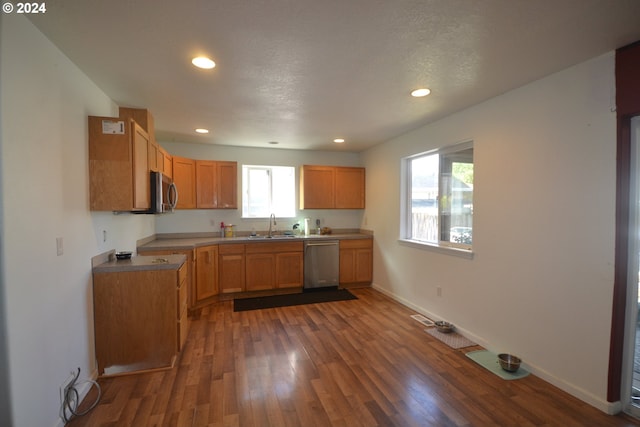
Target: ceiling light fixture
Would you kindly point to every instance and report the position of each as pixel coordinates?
(419, 93)
(338, 140)
(203, 62)
(274, 142)
(202, 130)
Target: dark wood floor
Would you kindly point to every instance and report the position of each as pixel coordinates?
(351, 363)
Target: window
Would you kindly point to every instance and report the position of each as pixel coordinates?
(438, 197)
(267, 190)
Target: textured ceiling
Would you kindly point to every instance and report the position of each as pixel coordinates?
(303, 72)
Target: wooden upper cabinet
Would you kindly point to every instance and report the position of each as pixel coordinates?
(184, 176)
(167, 167)
(317, 187)
(227, 185)
(332, 187)
(206, 184)
(118, 165)
(144, 118)
(141, 177)
(216, 184)
(349, 188)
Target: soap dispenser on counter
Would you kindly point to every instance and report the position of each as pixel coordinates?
(307, 225)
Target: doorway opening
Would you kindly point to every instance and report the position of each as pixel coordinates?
(631, 359)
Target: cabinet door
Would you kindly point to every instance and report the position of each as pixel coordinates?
(206, 273)
(135, 320)
(153, 154)
(110, 166)
(289, 270)
(317, 187)
(231, 264)
(227, 185)
(184, 176)
(206, 184)
(364, 265)
(347, 265)
(168, 166)
(356, 261)
(260, 273)
(141, 177)
(350, 188)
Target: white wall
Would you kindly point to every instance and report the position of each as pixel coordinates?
(208, 220)
(541, 280)
(540, 284)
(45, 101)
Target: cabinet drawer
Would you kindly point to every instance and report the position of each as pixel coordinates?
(269, 248)
(356, 244)
(231, 249)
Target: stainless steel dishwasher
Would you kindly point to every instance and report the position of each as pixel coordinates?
(321, 264)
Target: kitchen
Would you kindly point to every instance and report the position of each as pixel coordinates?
(47, 298)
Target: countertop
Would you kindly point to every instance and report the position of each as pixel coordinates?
(139, 263)
(186, 243)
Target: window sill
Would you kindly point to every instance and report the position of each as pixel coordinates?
(446, 250)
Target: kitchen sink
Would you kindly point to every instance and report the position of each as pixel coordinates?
(278, 236)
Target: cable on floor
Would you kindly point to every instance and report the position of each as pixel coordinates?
(71, 399)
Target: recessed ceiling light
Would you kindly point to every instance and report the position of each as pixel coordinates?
(418, 93)
(338, 140)
(203, 62)
(274, 142)
(202, 130)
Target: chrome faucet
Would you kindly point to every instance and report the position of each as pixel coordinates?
(272, 221)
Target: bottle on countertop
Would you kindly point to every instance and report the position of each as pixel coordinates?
(307, 226)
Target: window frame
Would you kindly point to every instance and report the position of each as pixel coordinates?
(406, 237)
(246, 170)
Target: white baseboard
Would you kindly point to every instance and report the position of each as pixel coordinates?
(610, 408)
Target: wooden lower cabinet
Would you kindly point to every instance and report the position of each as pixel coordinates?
(290, 269)
(190, 272)
(140, 319)
(206, 274)
(274, 265)
(231, 268)
(356, 261)
(260, 272)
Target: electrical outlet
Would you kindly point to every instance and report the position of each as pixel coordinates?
(65, 385)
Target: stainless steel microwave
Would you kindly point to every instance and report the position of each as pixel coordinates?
(164, 193)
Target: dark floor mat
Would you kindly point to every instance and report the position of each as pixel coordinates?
(244, 304)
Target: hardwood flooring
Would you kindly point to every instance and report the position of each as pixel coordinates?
(350, 363)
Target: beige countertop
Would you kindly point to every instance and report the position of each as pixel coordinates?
(185, 243)
(138, 263)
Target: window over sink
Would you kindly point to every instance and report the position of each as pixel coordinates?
(267, 190)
